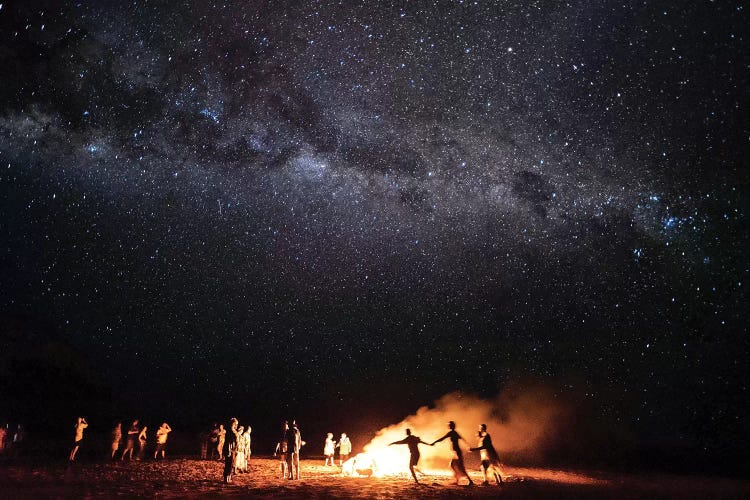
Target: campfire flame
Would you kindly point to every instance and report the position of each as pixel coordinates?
(527, 420)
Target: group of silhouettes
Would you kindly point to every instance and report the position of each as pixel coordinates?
(489, 457)
(136, 436)
(232, 445)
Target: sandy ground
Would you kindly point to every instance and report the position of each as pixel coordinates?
(189, 478)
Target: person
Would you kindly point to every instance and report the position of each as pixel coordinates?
(130, 440)
(161, 439)
(214, 440)
(413, 443)
(281, 449)
(80, 425)
(116, 438)
(329, 449)
(293, 447)
(204, 438)
(2, 439)
(240, 463)
(142, 443)
(488, 455)
(345, 448)
(220, 445)
(248, 451)
(229, 451)
(457, 461)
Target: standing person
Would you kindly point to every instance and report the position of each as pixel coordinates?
(2, 439)
(457, 461)
(488, 455)
(116, 438)
(81, 424)
(229, 451)
(413, 443)
(142, 442)
(222, 434)
(293, 447)
(248, 451)
(213, 440)
(345, 448)
(281, 449)
(161, 439)
(130, 440)
(329, 449)
(204, 438)
(240, 463)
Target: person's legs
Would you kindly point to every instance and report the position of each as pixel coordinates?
(73, 452)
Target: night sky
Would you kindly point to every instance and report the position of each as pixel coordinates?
(344, 210)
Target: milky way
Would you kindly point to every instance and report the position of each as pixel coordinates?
(301, 202)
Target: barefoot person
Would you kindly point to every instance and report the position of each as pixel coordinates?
(81, 424)
(222, 434)
(488, 455)
(457, 462)
(413, 443)
(161, 439)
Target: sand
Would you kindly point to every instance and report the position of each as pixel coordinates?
(191, 478)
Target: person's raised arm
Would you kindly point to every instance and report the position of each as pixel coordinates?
(438, 440)
(403, 441)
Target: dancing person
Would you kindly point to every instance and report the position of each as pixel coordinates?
(413, 443)
(229, 451)
(281, 449)
(161, 439)
(345, 448)
(116, 438)
(329, 449)
(80, 425)
(142, 443)
(457, 461)
(488, 455)
(130, 440)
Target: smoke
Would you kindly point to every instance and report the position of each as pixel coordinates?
(524, 425)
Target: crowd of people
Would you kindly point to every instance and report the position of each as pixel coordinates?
(232, 445)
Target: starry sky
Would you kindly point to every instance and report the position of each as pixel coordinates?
(318, 206)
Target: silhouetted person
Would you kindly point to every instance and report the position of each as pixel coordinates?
(329, 449)
(345, 448)
(229, 451)
(281, 449)
(204, 438)
(130, 440)
(161, 439)
(142, 442)
(293, 445)
(457, 461)
(488, 455)
(81, 424)
(413, 443)
(214, 441)
(116, 438)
